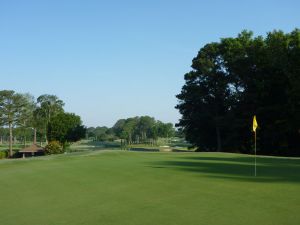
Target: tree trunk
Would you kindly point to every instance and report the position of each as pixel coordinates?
(34, 137)
(46, 136)
(10, 140)
(219, 141)
(24, 141)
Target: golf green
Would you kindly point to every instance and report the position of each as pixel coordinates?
(140, 188)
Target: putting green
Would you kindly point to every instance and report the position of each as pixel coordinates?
(140, 188)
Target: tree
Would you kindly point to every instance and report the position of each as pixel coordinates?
(66, 127)
(236, 78)
(27, 119)
(13, 111)
(101, 133)
(118, 127)
(48, 107)
(39, 123)
(90, 133)
(165, 130)
(129, 129)
(204, 98)
(142, 129)
(293, 92)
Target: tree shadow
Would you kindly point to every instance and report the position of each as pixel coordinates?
(238, 168)
(247, 159)
(140, 149)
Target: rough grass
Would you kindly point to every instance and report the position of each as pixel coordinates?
(118, 187)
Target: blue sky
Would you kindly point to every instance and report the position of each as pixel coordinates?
(116, 59)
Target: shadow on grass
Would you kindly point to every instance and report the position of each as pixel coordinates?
(238, 168)
(181, 150)
(133, 149)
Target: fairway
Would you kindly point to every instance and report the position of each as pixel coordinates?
(140, 188)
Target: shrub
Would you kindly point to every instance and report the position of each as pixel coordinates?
(54, 147)
(3, 154)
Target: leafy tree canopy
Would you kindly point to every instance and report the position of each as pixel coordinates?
(236, 78)
(66, 127)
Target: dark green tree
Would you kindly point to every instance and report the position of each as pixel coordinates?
(236, 78)
(66, 127)
(204, 99)
(118, 127)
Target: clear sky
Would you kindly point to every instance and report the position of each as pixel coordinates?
(116, 59)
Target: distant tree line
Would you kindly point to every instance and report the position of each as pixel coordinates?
(236, 78)
(135, 130)
(21, 116)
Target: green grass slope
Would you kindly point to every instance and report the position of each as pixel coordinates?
(139, 188)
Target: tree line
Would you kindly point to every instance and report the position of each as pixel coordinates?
(135, 130)
(236, 78)
(44, 116)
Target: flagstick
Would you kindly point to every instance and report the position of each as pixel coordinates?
(255, 152)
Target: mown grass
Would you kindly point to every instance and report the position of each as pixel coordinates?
(121, 187)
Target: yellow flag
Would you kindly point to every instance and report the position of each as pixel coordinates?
(255, 125)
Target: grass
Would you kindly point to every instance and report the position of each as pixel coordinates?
(163, 144)
(121, 187)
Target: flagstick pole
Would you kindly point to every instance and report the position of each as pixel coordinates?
(255, 152)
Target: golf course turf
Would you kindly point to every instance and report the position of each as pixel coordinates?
(141, 188)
